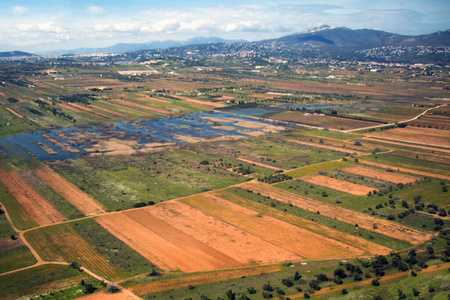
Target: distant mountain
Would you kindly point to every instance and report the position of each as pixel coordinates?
(10, 54)
(326, 37)
(124, 47)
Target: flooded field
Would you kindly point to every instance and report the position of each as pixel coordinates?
(132, 137)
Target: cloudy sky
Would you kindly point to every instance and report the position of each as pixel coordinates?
(64, 24)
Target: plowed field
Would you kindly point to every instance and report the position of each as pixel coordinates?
(224, 237)
(339, 185)
(62, 243)
(423, 136)
(379, 174)
(304, 243)
(35, 205)
(385, 227)
(14, 113)
(153, 245)
(72, 194)
(329, 147)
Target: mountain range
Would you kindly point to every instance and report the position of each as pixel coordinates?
(326, 39)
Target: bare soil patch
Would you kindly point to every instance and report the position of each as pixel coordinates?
(422, 136)
(14, 113)
(306, 244)
(35, 205)
(337, 184)
(202, 104)
(8, 244)
(72, 194)
(152, 245)
(379, 174)
(385, 227)
(198, 279)
(226, 238)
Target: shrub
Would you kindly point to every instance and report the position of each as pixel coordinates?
(375, 282)
(358, 143)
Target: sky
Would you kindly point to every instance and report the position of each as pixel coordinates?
(43, 25)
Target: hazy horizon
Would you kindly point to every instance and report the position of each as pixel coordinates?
(54, 25)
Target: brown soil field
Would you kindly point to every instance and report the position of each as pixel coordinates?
(339, 185)
(58, 143)
(321, 120)
(380, 174)
(14, 113)
(190, 245)
(203, 104)
(107, 296)
(385, 227)
(35, 205)
(108, 111)
(152, 244)
(399, 143)
(369, 248)
(406, 170)
(198, 279)
(430, 124)
(61, 243)
(8, 244)
(306, 244)
(142, 106)
(422, 136)
(340, 149)
(68, 191)
(226, 238)
(259, 164)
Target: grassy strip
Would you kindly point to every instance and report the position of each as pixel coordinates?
(16, 258)
(31, 281)
(21, 219)
(128, 261)
(5, 228)
(322, 220)
(312, 169)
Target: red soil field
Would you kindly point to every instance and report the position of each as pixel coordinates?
(14, 113)
(72, 194)
(226, 238)
(422, 136)
(198, 279)
(379, 174)
(339, 185)
(129, 109)
(385, 227)
(153, 245)
(306, 244)
(85, 110)
(35, 205)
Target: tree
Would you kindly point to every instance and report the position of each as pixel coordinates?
(344, 291)
(375, 282)
(415, 292)
(297, 276)
(340, 273)
(400, 294)
(231, 295)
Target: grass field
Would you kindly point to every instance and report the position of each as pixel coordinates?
(39, 280)
(16, 258)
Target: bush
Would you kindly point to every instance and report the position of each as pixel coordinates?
(375, 282)
(357, 143)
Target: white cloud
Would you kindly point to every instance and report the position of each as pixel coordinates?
(198, 25)
(42, 27)
(19, 10)
(168, 25)
(94, 10)
(251, 25)
(118, 27)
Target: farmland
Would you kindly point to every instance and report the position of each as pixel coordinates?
(208, 182)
